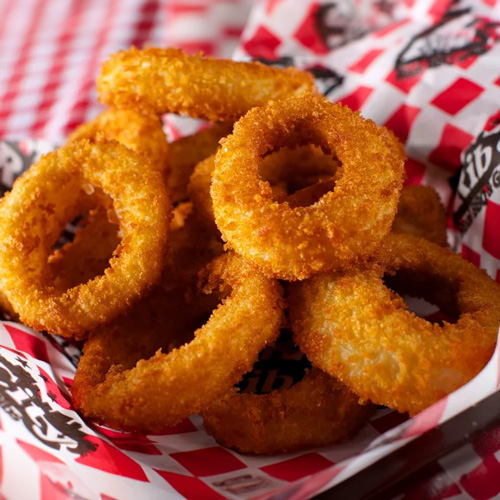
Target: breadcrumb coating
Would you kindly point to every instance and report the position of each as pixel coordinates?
(317, 411)
(421, 213)
(351, 325)
(140, 133)
(344, 227)
(189, 378)
(51, 194)
(158, 81)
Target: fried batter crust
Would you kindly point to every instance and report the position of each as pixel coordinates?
(356, 329)
(191, 377)
(317, 411)
(185, 153)
(344, 227)
(45, 199)
(161, 81)
(140, 133)
(421, 213)
(287, 169)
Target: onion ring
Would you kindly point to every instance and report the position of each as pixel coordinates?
(191, 377)
(421, 213)
(344, 227)
(317, 411)
(353, 327)
(286, 170)
(140, 133)
(37, 209)
(187, 151)
(161, 81)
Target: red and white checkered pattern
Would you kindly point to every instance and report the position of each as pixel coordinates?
(425, 68)
(50, 53)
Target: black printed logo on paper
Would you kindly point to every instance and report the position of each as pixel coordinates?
(13, 162)
(326, 79)
(479, 178)
(20, 399)
(278, 367)
(453, 40)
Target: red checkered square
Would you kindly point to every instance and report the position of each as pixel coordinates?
(28, 343)
(296, 468)
(390, 28)
(52, 490)
(191, 488)
(356, 100)
(262, 44)
(438, 8)
(208, 461)
(402, 121)
(488, 443)
(447, 153)
(457, 96)
(405, 84)
(107, 458)
(482, 482)
(130, 442)
(491, 233)
(427, 419)
(362, 64)
(307, 33)
(414, 171)
(471, 255)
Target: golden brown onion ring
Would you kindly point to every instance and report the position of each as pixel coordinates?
(344, 227)
(421, 213)
(317, 411)
(351, 325)
(52, 193)
(140, 133)
(286, 170)
(189, 378)
(187, 151)
(161, 81)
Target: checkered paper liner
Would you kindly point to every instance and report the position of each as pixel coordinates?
(427, 70)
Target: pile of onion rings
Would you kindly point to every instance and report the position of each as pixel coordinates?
(171, 278)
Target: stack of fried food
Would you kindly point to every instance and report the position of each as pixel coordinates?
(191, 256)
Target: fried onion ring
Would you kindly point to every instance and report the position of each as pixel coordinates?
(421, 213)
(187, 151)
(189, 378)
(169, 81)
(286, 170)
(345, 226)
(140, 133)
(356, 329)
(36, 211)
(317, 411)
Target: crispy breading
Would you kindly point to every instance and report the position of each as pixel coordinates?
(51, 194)
(351, 325)
(344, 227)
(158, 81)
